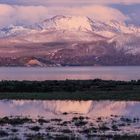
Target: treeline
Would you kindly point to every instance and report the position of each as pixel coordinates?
(69, 86)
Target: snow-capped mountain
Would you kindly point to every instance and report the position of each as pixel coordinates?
(70, 40)
(14, 30)
(67, 23)
(72, 23)
(87, 24)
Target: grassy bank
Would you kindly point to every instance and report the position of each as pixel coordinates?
(71, 90)
(100, 95)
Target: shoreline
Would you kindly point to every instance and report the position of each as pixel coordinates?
(77, 96)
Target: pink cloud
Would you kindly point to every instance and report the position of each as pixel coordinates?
(12, 14)
(103, 13)
(67, 2)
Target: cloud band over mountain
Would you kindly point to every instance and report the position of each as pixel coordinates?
(14, 14)
(30, 11)
(67, 2)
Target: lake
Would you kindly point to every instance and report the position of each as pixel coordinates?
(62, 73)
(69, 119)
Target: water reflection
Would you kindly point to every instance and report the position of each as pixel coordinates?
(62, 73)
(69, 119)
(49, 109)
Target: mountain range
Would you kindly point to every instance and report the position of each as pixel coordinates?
(70, 40)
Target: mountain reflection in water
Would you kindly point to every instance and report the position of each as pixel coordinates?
(49, 109)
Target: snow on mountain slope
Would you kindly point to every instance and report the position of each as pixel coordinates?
(61, 36)
(72, 23)
(86, 24)
(71, 29)
(67, 23)
(14, 30)
(128, 42)
(112, 28)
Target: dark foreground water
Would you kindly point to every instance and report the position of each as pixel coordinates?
(62, 73)
(68, 119)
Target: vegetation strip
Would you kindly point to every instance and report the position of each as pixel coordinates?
(71, 90)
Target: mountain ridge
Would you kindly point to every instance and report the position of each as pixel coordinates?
(66, 40)
(73, 23)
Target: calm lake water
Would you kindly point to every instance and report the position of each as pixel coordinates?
(62, 73)
(48, 108)
(84, 120)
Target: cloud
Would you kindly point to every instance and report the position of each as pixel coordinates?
(103, 13)
(21, 14)
(68, 2)
(13, 14)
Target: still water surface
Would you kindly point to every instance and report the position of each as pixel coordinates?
(84, 120)
(53, 108)
(62, 73)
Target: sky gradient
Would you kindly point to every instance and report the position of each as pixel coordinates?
(30, 11)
